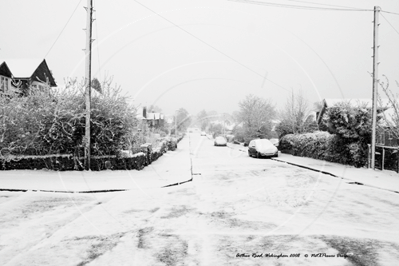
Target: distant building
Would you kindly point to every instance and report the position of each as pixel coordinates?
(152, 119)
(22, 74)
(155, 119)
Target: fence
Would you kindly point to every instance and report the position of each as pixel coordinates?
(386, 157)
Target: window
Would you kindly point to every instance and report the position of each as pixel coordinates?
(4, 84)
(389, 135)
(380, 138)
(39, 86)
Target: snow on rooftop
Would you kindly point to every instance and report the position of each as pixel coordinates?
(356, 102)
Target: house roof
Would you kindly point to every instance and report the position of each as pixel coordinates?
(389, 117)
(354, 102)
(5, 70)
(154, 116)
(384, 106)
(35, 69)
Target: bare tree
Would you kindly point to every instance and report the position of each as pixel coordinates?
(183, 119)
(389, 110)
(202, 119)
(256, 114)
(295, 116)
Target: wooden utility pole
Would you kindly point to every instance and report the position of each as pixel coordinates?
(375, 84)
(89, 22)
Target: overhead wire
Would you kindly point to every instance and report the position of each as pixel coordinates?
(209, 45)
(389, 12)
(66, 24)
(298, 6)
(308, 2)
(390, 24)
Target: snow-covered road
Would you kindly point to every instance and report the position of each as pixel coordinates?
(237, 211)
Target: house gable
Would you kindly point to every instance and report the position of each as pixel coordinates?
(43, 74)
(5, 71)
(23, 73)
(30, 70)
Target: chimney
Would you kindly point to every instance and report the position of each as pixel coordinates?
(145, 112)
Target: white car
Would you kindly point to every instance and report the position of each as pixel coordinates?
(262, 148)
(203, 133)
(220, 141)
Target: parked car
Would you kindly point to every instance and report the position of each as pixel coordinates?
(262, 148)
(275, 142)
(220, 141)
(203, 133)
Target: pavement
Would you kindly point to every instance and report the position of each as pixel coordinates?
(386, 180)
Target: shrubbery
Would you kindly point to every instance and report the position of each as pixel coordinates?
(54, 122)
(47, 130)
(346, 142)
(323, 146)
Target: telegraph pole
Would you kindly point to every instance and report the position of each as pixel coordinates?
(375, 84)
(89, 22)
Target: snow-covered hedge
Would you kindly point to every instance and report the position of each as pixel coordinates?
(324, 146)
(313, 145)
(349, 132)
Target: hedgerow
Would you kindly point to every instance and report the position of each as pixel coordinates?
(346, 142)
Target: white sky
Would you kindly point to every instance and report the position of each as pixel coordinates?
(217, 56)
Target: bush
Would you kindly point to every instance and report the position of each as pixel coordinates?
(53, 122)
(314, 145)
(325, 146)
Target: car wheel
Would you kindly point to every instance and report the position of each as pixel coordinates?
(257, 155)
(249, 154)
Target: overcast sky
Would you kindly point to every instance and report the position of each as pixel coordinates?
(209, 54)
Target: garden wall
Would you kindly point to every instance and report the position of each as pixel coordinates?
(68, 162)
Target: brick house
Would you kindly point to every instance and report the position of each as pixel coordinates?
(23, 74)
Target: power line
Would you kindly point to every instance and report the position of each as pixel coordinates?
(66, 24)
(389, 12)
(298, 6)
(390, 24)
(308, 2)
(209, 45)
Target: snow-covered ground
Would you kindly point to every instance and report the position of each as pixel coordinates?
(236, 208)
